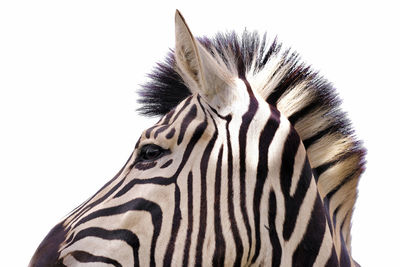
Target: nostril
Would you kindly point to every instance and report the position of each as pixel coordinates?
(47, 253)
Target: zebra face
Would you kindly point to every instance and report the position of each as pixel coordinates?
(168, 200)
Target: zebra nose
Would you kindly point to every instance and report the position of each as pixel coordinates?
(47, 253)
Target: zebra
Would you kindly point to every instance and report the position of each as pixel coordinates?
(252, 163)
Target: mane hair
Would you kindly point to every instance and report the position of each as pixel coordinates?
(307, 99)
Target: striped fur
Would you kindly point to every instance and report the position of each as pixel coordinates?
(259, 167)
(307, 99)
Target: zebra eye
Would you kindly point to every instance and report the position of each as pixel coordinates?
(151, 152)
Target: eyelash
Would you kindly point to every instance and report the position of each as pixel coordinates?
(151, 152)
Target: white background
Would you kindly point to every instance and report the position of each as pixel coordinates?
(68, 75)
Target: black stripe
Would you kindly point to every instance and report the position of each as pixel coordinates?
(170, 134)
(98, 201)
(344, 254)
(190, 220)
(335, 211)
(290, 149)
(78, 213)
(135, 204)
(333, 260)
(219, 252)
(325, 166)
(185, 104)
(244, 127)
(231, 209)
(160, 130)
(148, 131)
(154, 180)
(86, 257)
(327, 212)
(295, 117)
(292, 204)
(190, 116)
(240, 64)
(311, 140)
(166, 164)
(176, 223)
(137, 143)
(197, 134)
(309, 247)
(69, 238)
(273, 50)
(334, 191)
(273, 235)
(295, 76)
(165, 120)
(345, 180)
(203, 194)
(120, 234)
(59, 263)
(264, 142)
(168, 117)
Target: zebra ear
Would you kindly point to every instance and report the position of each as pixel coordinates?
(198, 68)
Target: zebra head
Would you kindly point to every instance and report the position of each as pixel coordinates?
(222, 179)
